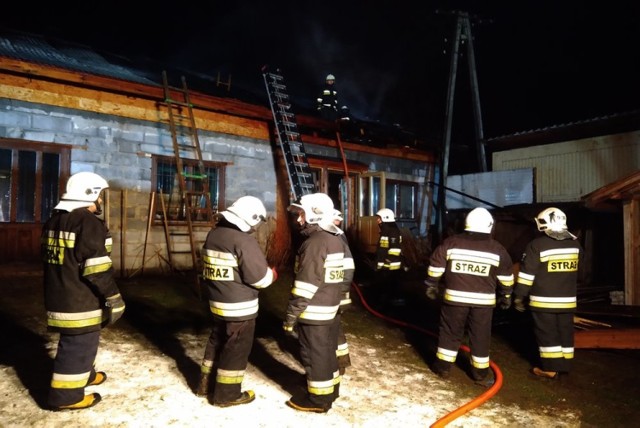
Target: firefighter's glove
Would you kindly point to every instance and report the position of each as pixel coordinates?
(518, 304)
(289, 326)
(432, 289)
(504, 302)
(114, 308)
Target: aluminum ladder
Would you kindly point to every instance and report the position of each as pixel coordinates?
(289, 139)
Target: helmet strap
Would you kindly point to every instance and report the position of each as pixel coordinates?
(98, 210)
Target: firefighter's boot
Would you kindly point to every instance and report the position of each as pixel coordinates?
(99, 379)
(245, 397)
(305, 404)
(89, 400)
(441, 368)
(479, 375)
(203, 385)
(344, 361)
(544, 374)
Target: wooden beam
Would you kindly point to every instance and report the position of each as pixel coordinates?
(56, 86)
(607, 338)
(92, 100)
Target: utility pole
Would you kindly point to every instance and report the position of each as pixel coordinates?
(462, 35)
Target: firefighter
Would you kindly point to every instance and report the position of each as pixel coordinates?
(314, 301)
(234, 269)
(328, 99)
(80, 292)
(548, 276)
(342, 351)
(388, 258)
(470, 264)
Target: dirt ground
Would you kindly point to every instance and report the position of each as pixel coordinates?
(152, 358)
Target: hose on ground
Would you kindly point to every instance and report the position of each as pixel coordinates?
(467, 407)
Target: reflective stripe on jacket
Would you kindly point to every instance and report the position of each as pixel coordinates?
(235, 269)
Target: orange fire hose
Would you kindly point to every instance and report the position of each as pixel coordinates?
(479, 400)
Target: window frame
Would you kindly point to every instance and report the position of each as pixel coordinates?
(175, 220)
(40, 149)
(376, 188)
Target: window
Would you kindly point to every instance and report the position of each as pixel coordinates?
(31, 175)
(401, 198)
(167, 187)
(329, 178)
(378, 192)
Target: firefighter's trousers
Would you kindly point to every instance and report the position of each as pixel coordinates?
(228, 350)
(477, 320)
(318, 354)
(554, 335)
(73, 367)
(342, 350)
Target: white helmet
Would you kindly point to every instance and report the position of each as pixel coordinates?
(479, 220)
(317, 207)
(85, 187)
(553, 222)
(330, 77)
(386, 215)
(551, 219)
(246, 212)
(337, 215)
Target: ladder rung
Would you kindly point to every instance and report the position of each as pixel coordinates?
(179, 103)
(289, 125)
(174, 233)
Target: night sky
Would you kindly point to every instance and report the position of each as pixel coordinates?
(539, 63)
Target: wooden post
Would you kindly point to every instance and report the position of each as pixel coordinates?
(631, 224)
(123, 232)
(152, 199)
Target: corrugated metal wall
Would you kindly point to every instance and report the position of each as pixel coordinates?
(564, 172)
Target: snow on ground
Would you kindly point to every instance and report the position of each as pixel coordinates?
(146, 387)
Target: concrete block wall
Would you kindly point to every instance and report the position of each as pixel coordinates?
(121, 149)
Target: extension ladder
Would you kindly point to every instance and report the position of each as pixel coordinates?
(289, 139)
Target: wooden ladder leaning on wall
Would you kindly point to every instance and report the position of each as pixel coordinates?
(195, 198)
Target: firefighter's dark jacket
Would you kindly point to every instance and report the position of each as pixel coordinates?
(389, 250)
(472, 263)
(328, 98)
(235, 269)
(549, 274)
(325, 266)
(78, 272)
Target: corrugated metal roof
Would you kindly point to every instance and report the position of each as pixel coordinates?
(47, 51)
(598, 126)
(567, 124)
